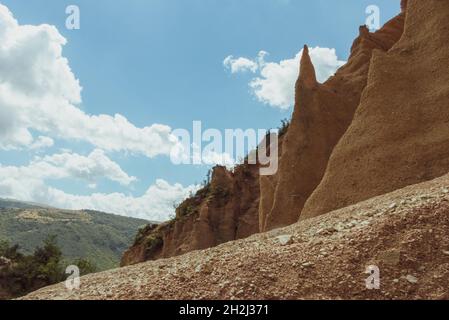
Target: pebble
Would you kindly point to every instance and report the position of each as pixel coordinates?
(315, 242)
(285, 240)
(411, 279)
(203, 268)
(307, 264)
(370, 213)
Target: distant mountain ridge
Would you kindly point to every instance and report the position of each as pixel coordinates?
(99, 237)
(12, 203)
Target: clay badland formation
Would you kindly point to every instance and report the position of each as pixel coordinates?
(380, 124)
(322, 114)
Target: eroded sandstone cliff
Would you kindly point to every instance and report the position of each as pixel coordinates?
(400, 132)
(381, 123)
(225, 209)
(322, 114)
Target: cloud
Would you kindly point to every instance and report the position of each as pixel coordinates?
(240, 64)
(275, 83)
(41, 143)
(216, 158)
(157, 204)
(89, 168)
(40, 93)
(40, 101)
(29, 183)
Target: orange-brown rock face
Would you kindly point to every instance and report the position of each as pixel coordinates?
(400, 132)
(322, 114)
(237, 205)
(225, 210)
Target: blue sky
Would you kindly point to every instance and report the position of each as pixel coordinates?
(161, 62)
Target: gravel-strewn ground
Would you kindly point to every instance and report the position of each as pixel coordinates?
(404, 233)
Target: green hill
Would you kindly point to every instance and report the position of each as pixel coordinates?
(99, 237)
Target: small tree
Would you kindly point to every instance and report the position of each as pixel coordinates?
(50, 251)
(10, 252)
(48, 259)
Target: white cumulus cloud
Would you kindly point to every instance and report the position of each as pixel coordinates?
(30, 183)
(89, 168)
(40, 102)
(275, 82)
(216, 158)
(156, 204)
(42, 142)
(40, 93)
(240, 64)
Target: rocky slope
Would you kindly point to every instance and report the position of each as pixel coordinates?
(404, 233)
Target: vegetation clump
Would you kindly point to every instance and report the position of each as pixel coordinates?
(153, 243)
(21, 274)
(285, 123)
(144, 231)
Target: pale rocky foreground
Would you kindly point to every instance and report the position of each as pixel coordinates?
(404, 233)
